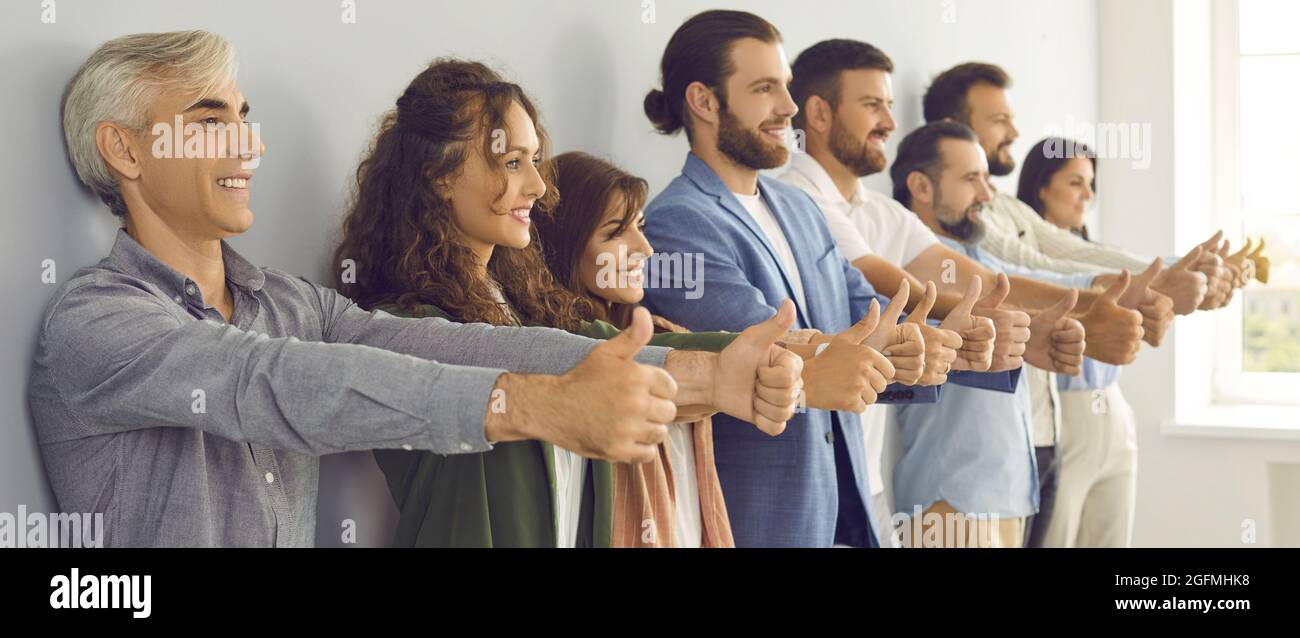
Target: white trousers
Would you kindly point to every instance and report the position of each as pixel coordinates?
(1097, 455)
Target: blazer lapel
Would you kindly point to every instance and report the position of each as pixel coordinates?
(709, 182)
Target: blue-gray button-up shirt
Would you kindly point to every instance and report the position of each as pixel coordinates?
(186, 430)
(973, 449)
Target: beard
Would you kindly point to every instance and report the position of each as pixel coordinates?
(963, 226)
(747, 146)
(999, 167)
(856, 155)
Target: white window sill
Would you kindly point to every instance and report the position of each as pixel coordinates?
(1268, 422)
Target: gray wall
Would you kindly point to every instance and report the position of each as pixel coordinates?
(317, 86)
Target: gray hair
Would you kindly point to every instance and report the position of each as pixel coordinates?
(119, 82)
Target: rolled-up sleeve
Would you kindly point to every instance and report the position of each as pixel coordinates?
(119, 360)
(524, 350)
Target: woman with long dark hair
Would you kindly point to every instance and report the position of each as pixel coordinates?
(1097, 448)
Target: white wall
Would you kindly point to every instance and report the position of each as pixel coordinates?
(317, 86)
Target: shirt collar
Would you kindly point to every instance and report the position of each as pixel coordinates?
(133, 259)
(815, 173)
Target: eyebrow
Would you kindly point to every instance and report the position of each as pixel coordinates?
(214, 104)
(766, 80)
(522, 150)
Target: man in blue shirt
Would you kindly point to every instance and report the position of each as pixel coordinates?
(984, 474)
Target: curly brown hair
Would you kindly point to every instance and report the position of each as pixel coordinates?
(399, 231)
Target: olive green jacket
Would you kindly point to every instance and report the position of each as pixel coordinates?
(503, 497)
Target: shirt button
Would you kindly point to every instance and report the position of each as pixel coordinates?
(270, 478)
(178, 299)
(830, 437)
(407, 447)
(190, 289)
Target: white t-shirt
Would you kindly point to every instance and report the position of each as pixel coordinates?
(870, 223)
(767, 221)
(570, 476)
(686, 490)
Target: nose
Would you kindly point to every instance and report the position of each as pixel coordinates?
(643, 245)
(1014, 132)
(983, 191)
(787, 108)
(256, 147)
(889, 124)
(535, 187)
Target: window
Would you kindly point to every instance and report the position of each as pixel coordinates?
(1257, 166)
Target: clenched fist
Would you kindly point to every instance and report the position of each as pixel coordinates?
(848, 375)
(902, 343)
(1157, 309)
(1056, 342)
(1010, 326)
(1114, 334)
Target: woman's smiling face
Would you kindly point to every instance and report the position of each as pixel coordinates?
(613, 262)
(486, 215)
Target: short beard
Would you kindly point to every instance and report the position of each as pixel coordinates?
(965, 229)
(858, 157)
(747, 147)
(999, 168)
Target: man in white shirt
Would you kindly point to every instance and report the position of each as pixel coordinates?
(976, 94)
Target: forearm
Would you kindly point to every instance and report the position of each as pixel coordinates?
(523, 350)
(695, 373)
(305, 397)
(1034, 296)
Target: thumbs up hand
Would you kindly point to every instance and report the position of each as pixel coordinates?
(1114, 334)
(977, 333)
(902, 343)
(1183, 283)
(758, 381)
(1218, 277)
(1010, 326)
(848, 375)
(1056, 341)
(1261, 262)
(1157, 309)
(607, 407)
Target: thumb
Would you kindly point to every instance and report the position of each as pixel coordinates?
(1189, 260)
(775, 327)
(1149, 275)
(1223, 250)
(921, 311)
(864, 327)
(1116, 289)
(1213, 242)
(1258, 249)
(1065, 305)
(895, 308)
(1245, 250)
(630, 341)
(998, 294)
(963, 308)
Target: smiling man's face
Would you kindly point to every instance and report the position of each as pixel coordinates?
(752, 128)
(200, 187)
(863, 120)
